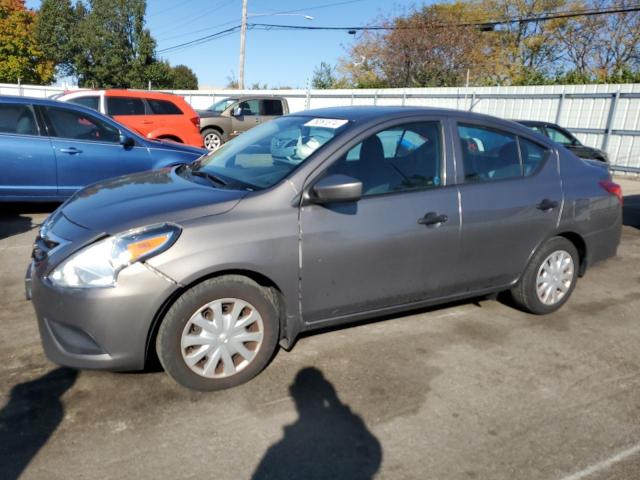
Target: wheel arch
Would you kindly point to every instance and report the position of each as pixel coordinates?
(578, 241)
(212, 127)
(259, 278)
(170, 137)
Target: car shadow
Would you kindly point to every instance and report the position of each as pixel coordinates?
(30, 417)
(327, 440)
(15, 218)
(631, 211)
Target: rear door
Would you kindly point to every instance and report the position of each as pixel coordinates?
(27, 162)
(511, 198)
(132, 112)
(88, 149)
(270, 108)
(379, 252)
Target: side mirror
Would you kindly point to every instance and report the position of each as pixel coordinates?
(237, 112)
(336, 188)
(126, 141)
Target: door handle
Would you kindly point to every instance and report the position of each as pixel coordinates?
(71, 150)
(432, 218)
(547, 204)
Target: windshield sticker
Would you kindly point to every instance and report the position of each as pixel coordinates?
(332, 123)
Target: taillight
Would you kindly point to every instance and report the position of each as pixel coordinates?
(196, 122)
(613, 188)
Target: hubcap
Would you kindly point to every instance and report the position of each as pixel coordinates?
(212, 141)
(222, 338)
(554, 277)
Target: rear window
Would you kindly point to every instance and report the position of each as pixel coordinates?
(17, 119)
(164, 107)
(272, 107)
(91, 102)
(125, 106)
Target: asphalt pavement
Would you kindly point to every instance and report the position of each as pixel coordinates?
(475, 390)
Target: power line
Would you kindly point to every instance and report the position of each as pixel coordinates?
(489, 23)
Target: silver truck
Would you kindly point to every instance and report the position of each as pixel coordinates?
(231, 116)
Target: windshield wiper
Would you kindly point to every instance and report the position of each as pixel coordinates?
(209, 176)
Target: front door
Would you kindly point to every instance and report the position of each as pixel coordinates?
(132, 112)
(88, 149)
(248, 118)
(511, 197)
(386, 249)
(27, 162)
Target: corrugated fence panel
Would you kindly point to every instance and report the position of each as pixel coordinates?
(603, 116)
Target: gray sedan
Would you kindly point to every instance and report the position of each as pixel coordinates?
(314, 219)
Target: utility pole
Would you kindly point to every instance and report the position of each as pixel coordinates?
(243, 35)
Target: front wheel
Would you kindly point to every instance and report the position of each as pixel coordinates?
(549, 279)
(218, 334)
(212, 139)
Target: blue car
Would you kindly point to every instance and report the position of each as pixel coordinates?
(50, 149)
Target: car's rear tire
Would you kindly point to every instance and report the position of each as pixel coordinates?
(212, 139)
(549, 278)
(219, 333)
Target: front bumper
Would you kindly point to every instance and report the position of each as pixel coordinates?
(101, 328)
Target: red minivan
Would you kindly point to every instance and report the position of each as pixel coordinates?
(154, 114)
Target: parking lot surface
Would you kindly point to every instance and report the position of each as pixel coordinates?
(475, 390)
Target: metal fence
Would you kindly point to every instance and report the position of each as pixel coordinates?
(603, 116)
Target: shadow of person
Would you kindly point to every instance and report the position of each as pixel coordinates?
(327, 441)
(30, 417)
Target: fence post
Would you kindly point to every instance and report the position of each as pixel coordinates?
(404, 96)
(559, 110)
(473, 101)
(610, 119)
(375, 97)
(307, 103)
(352, 94)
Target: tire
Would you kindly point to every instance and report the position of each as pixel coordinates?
(212, 139)
(561, 281)
(199, 317)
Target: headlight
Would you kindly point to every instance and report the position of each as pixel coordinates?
(98, 264)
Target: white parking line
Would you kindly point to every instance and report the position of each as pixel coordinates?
(618, 457)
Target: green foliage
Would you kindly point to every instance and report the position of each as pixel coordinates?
(21, 58)
(105, 44)
(184, 78)
(323, 76)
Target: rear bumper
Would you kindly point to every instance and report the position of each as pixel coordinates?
(105, 328)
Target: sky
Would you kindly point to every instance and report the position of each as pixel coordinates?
(275, 58)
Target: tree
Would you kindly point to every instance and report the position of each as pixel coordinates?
(22, 59)
(184, 78)
(115, 48)
(323, 76)
(55, 33)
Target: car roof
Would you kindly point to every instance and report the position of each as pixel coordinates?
(40, 101)
(377, 113)
(533, 123)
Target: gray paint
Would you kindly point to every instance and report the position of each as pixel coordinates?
(332, 263)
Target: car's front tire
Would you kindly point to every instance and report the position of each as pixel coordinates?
(549, 278)
(212, 139)
(219, 333)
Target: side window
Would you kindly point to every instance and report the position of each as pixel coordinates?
(558, 136)
(488, 154)
(91, 102)
(532, 155)
(250, 107)
(17, 119)
(271, 107)
(78, 126)
(163, 107)
(402, 158)
(125, 106)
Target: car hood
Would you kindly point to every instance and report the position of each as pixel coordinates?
(175, 147)
(146, 198)
(207, 113)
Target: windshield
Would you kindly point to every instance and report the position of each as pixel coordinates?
(267, 153)
(222, 105)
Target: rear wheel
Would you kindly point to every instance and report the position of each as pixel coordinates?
(212, 139)
(549, 279)
(218, 334)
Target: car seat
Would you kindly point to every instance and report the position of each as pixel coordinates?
(26, 125)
